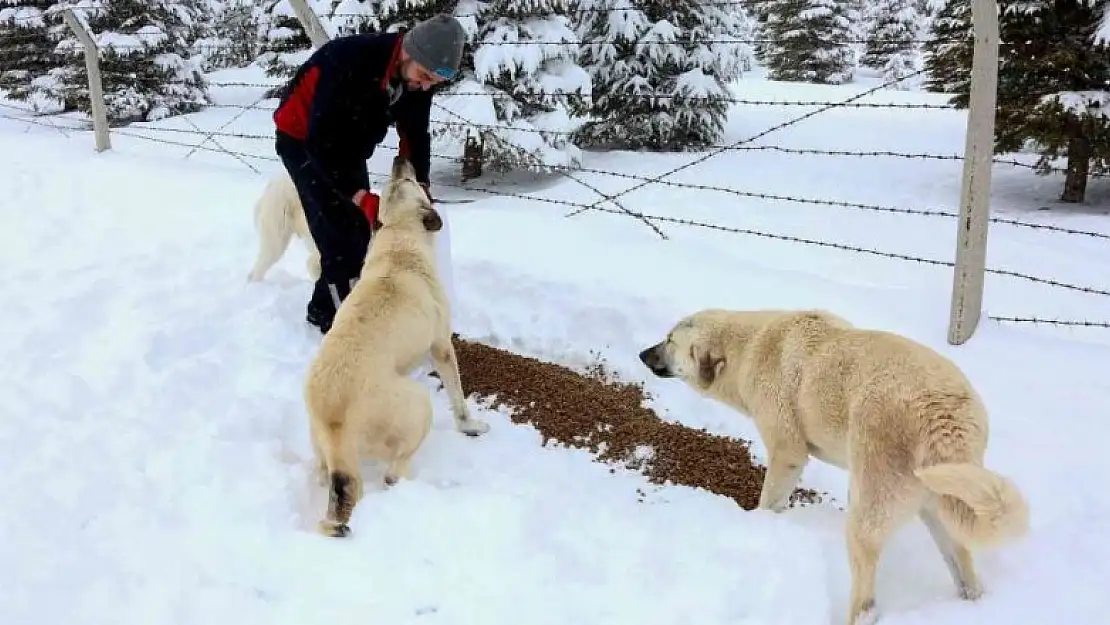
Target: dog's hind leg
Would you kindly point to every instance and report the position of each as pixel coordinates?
(273, 238)
(344, 480)
(411, 409)
(880, 502)
(312, 263)
(957, 558)
(447, 366)
(320, 460)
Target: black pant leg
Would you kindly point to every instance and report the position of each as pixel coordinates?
(359, 234)
(336, 230)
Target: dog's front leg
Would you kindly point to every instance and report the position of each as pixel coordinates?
(447, 366)
(787, 456)
(784, 469)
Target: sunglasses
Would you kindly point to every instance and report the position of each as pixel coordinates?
(445, 73)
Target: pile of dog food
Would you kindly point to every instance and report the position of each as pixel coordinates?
(595, 411)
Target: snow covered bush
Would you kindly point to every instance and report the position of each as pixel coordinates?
(145, 66)
(660, 71)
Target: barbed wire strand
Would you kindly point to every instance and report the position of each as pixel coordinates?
(228, 122)
(967, 39)
(575, 11)
(283, 47)
(694, 186)
(216, 143)
(1054, 322)
(639, 96)
(693, 223)
(741, 148)
(863, 250)
(566, 174)
(718, 227)
(776, 127)
(48, 123)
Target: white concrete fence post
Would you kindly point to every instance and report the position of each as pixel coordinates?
(971, 234)
(311, 23)
(96, 87)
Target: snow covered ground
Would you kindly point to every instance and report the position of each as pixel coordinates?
(153, 449)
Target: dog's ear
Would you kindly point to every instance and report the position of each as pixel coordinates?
(709, 364)
(432, 221)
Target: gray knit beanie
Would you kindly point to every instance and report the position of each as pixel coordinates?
(437, 44)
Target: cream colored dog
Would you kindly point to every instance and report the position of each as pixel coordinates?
(360, 397)
(277, 218)
(901, 418)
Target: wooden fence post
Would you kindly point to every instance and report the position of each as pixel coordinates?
(96, 87)
(312, 26)
(971, 233)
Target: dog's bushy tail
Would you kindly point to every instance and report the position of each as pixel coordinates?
(979, 507)
(272, 209)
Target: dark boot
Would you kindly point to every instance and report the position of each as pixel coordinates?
(325, 301)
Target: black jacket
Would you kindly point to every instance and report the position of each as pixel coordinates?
(341, 103)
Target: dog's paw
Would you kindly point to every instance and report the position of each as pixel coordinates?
(472, 427)
(868, 614)
(970, 593)
(334, 529)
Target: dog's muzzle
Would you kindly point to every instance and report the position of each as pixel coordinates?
(653, 359)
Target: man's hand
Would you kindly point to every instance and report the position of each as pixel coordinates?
(368, 203)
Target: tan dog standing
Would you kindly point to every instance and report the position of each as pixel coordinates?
(360, 399)
(902, 419)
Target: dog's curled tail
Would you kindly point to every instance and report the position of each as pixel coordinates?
(979, 507)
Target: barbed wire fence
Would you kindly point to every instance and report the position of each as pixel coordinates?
(968, 268)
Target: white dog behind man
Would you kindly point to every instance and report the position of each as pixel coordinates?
(278, 217)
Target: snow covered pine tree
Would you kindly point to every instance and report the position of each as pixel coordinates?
(144, 61)
(285, 45)
(660, 71)
(892, 44)
(27, 40)
(948, 51)
(1052, 87)
(232, 37)
(362, 16)
(807, 40)
(524, 82)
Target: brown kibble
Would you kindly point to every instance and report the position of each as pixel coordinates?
(595, 411)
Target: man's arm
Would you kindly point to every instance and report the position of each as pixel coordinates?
(326, 124)
(415, 139)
